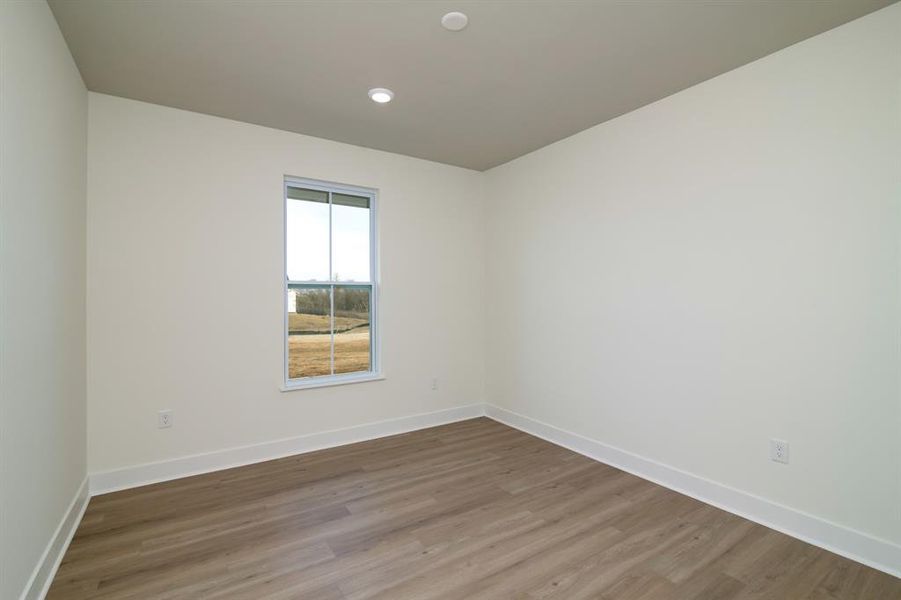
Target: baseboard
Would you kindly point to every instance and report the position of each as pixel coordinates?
(855, 545)
(43, 573)
(145, 474)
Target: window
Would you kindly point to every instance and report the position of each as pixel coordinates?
(330, 284)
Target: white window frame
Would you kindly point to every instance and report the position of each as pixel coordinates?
(375, 372)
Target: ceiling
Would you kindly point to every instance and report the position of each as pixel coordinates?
(523, 74)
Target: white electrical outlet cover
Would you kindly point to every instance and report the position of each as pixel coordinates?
(164, 418)
(779, 451)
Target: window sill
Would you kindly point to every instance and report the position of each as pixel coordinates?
(331, 381)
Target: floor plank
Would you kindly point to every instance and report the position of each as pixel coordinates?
(469, 510)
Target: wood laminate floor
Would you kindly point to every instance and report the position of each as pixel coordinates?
(469, 510)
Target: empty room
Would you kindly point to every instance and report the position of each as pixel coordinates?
(421, 299)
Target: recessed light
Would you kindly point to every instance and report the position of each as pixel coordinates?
(454, 21)
(381, 95)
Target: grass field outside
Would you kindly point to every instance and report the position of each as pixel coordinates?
(309, 345)
(302, 323)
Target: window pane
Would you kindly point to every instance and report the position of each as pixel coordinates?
(350, 238)
(309, 331)
(352, 339)
(306, 242)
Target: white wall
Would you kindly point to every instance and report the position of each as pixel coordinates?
(43, 115)
(717, 269)
(183, 205)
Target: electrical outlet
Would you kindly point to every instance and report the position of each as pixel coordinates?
(165, 418)
(435, 383)
(779, 451)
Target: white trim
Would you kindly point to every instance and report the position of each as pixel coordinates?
(318, 382)
(850, 543)
(129, 477)
(858, 546)
(331, 288)
(39, 583)
(375, 344)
